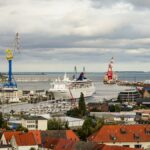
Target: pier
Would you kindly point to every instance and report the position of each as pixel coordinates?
(33, 79)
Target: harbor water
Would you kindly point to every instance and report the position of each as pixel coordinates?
(102, 91)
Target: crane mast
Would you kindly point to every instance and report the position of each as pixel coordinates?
(11, 83)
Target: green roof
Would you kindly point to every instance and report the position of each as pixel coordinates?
(34, 118)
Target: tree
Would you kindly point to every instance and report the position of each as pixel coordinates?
(89, 126)
(82, 106)
(21, 128)
(73, 112)
(12, 112)
(117, 108)
(32, 148)
(57, 124)
(1, 120)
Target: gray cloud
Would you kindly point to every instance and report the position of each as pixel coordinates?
(68, 32)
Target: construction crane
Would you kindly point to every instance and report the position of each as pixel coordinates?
(11, 83)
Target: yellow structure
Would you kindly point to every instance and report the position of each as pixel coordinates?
(9, 54)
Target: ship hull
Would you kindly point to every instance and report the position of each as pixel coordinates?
(73, 93)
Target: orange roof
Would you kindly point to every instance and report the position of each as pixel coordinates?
(110, 147)
(8, 135)
(121, 133)
(37, 135)
(25, 139)
(64, 144)
(71, 135)
(65, 134)
(56, 143)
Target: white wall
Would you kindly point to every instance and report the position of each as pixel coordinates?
(3, 140)
(27, 147)
(42, 124)
(132, 144)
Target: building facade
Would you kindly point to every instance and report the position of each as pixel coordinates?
(34, 123)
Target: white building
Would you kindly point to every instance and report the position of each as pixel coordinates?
(34, 123)
(10, 95)
(72, 122)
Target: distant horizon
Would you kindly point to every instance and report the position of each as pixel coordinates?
(71, 72)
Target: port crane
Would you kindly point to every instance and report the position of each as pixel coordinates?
(11, 83)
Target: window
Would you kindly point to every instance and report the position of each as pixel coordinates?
(147, 131)
(126, 146)
(137, 146)
(123, 130)
(30, 126)
(30, 121)
(136, 136)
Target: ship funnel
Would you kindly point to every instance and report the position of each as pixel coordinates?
(83, 69)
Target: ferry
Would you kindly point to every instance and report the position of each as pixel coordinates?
(72, 89)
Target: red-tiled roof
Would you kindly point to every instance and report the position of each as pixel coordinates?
(64, 134)
(73, 145)
(25, 139)
(71, 135)
(55, 143)
(8, 135)
(37, 135)
(121, 133)
(110, 147)
(64, 144)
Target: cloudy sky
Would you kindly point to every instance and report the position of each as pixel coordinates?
(56, 35)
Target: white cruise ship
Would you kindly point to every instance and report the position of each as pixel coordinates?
(71, 89)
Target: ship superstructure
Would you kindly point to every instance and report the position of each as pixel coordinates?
(110, 77)
(72, 89)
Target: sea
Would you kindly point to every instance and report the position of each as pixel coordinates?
(103, 92)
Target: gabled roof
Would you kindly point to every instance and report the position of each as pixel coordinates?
(71, 135)
(73, 145)
(64, 144)
(37, 135)
(121, 133)
(25, 139)
(8, 135)
(57, 143)
(64, 134)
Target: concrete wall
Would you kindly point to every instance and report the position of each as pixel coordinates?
(145, 145)
(42, 124)
(3, 140)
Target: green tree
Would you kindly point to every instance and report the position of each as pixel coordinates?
(1, 120)
(117, 108)
(21, 128)
(32, 148)
(112, 108)
(12, 112)
(74, 112)
(89, 126)
(57, 124)
(82, 105)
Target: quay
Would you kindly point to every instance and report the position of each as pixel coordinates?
(33, 79)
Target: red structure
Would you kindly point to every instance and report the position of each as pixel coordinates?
(110, 72)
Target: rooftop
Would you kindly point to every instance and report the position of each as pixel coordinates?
(34, 118)
(25, 139)
(122, 133)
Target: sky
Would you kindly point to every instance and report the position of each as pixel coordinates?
(56, 35)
